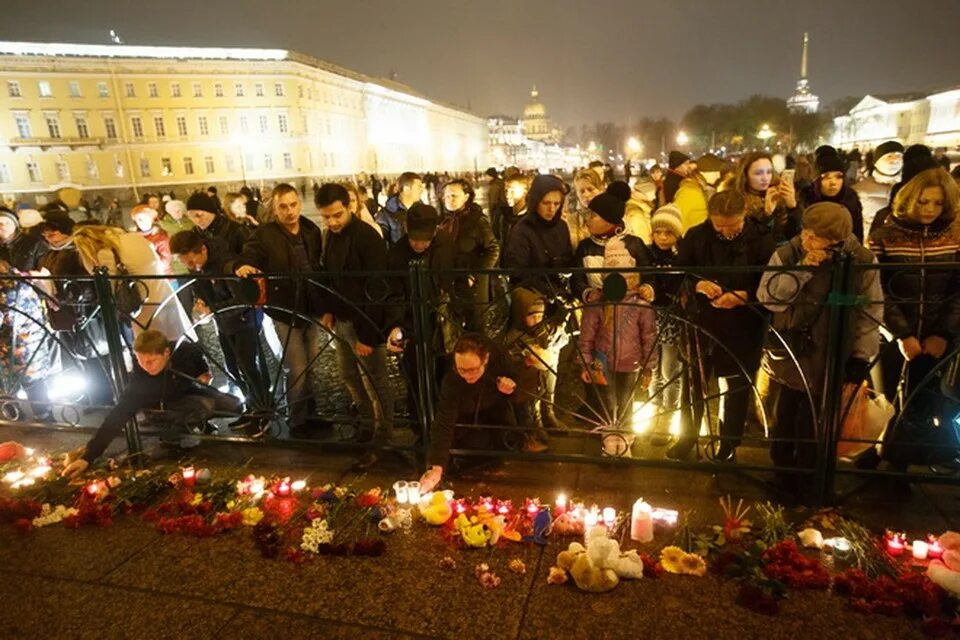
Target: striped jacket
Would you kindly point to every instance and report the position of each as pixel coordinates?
(919, 301)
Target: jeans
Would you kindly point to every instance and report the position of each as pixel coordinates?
(368, 383)
(245, 363)
(666, 394)
(301, 348)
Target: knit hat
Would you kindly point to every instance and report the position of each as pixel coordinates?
(422, 220)
(916, 158)
(175, 205)
(830, 161)
(29, 218)
(890, 146)
(6, 213)
(612, 203)
(58, 221)
(676, 158)
(669, 215)
(709, 162)
(829, 220)
(200, 201)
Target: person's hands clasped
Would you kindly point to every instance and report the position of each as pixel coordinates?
(246, 270)
(505, 385)
(934, 346)
(709, 289)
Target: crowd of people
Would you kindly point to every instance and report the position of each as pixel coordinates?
(744, 248)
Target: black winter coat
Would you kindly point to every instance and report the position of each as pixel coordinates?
(739, 331)
(536, 243)
(232, 234)
(270, 249)
(24, 252)
(439, 257)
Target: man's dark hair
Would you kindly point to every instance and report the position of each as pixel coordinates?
(188, 241)
(283, 189)
(492, 172)
(727, 204)
(472, 343)
(330, 192)
(212, 189)
(594, 164)
(406, 179)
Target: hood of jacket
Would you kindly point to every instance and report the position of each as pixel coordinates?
(523, 301)
(542, 185)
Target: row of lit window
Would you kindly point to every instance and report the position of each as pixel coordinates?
(25, 131)
(166, 167)
(45, 90)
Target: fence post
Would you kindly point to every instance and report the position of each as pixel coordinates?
(420, 288)
(839, 302)
(108, 309)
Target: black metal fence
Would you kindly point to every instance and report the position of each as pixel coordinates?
(762, 381)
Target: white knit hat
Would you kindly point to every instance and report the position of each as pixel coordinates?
(669, 215)
(29, 218)
(175, 205)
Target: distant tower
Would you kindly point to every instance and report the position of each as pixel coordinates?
(802, 99)
(536, 123)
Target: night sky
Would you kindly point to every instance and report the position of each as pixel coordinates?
(593, 60)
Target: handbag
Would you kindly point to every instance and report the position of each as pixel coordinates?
(868, 415)
(129, 294)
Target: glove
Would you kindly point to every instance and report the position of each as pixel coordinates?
(856, 371)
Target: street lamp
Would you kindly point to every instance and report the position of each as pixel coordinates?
(765, 132)
(682, 138)
(634, 145)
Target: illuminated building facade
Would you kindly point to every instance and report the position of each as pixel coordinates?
(128, 119)
(933, 120)
(531, 142)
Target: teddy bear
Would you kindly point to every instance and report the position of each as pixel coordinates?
(474, 534)
(605, 553)
(946, 572)
(600, 566)
(586, 575)
(568, 524)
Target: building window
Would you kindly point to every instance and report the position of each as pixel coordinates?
(197, 90)
(188, 165)
(224, 125)
(239, 89)
(278, 89)
(263, 123)
(258, 89)
(137, 125)
(74, 89)
(144, 167)
(130, 92)
(33, 171)
(287, 161)
(166, 167)
(208, 164)
(111, 126)
(300, 91)
(159, 126)
(152, 90)
(83, 131)
(117, 167)
(13, 88)
(5, 174)
(248, 163)
(53, 126)
(267, 162)
(231, 165)
(182, 126)
(244, 127)
(23, 125)
(282, 122)
(218, 90)
(305, 131)
(63, 171)
(203, 126)
(102, 90)
(92, 171)
(44, 88)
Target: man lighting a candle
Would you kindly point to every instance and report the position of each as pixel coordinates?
(165, 378)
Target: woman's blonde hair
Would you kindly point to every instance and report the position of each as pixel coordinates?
(90, 239)
(905, 203)
(591, 177)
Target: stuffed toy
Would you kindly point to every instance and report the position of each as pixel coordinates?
(541, 527)
(437, 510)
(475, 534)
(605, 553)
(568, 524)
(600, 566)
(497, 526)
(946, 573)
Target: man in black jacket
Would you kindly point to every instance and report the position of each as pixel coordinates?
(165, 379)
(290, 245)
(238, 328)
(203, 210)
(22, 251)
(354, 312)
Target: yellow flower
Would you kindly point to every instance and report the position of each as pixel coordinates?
(693, 565)
(252, 516)
(197, 499)
(670, 558)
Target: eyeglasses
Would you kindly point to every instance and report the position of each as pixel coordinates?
(472, 371)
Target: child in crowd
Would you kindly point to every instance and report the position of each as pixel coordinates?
(667, 229)
(146, 220)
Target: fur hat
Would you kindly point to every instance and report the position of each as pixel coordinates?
(829, 220)
(669, 215)
(676, 158)
(422, 221)
(612, 203)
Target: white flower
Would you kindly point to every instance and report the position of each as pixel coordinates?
(316, 534)
(50, 516)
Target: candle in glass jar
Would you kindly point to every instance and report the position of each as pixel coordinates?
(934, 550)
(609, 517)
(841, 549)
(590, 519)
(400, 491)
(919, 548)
(641, 522)
(560, 506)
(413, 491)
(895, 545)
(189, 476)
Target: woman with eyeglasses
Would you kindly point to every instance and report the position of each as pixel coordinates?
(476, 394)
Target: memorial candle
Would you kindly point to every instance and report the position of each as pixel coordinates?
(641, 522)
